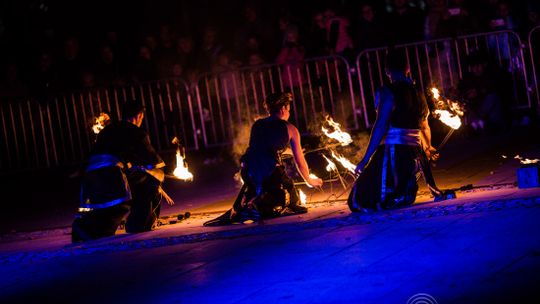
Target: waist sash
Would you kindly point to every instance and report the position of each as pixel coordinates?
(397, 136)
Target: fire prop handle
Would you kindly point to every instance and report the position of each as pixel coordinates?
(446, 138)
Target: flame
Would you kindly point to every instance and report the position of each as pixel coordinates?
(181, 170)
(344, 162)
(343, 138)
(82, 209)
(303, 197)
(101, 121)
(435, 93)
(526, 161)
(331, 165)
(451, 120)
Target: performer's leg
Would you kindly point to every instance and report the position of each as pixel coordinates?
(98, 223)
(145, 205)
(366, 192)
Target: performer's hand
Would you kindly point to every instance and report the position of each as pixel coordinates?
(315, 182)
(167, 198)
(432, 153)
(361, 166)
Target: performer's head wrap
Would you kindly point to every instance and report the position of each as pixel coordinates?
(275, 101)
(131, 109)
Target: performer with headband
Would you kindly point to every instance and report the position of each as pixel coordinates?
(268, 191)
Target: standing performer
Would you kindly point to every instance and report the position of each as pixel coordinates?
(124, 176)
(268, 191)
(399, 146)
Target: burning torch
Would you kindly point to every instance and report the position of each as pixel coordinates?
(448, 112)
(181, 171)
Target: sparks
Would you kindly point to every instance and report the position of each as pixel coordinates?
(343, 138)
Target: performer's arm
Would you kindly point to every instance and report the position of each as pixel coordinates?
(386, 103)
(425, 136)
(299, 157)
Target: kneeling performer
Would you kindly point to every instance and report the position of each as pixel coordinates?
(268, 191)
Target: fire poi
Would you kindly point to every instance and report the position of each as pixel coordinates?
(448, 112)
(100, 122)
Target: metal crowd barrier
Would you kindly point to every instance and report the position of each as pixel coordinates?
(534, 49)
(211, 112)
(443, 62)
(52, 132)
(232, 99)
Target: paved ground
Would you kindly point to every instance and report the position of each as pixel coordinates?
(482, 247)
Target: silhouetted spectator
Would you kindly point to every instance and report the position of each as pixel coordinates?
(405, 23)
(337, 31)
(318, 43)
(458, 20)
(368, 30)
(165, 54)
(107, 69)
(44, 80)
(145, 67)
(255, 59)
(70, 66)
(437, 12)
(480, 90)
(210, 48)
(185, 52)
(253, 25)
(291, 57)
(11, 86)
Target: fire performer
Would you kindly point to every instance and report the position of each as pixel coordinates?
(124, 176)
(268, 191)
(399, 145)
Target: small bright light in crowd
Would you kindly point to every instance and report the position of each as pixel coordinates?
(344, 162)
(343, 138)
(303, 197)
(100, 122)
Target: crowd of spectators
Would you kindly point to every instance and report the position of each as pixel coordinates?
(47, 49)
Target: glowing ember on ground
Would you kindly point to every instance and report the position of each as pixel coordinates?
(343, 138)
(101, 121)
(344, 162)
(331, 166)
(526, 161)
(303, 197)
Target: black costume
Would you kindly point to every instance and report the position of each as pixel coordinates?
(120, 179)
(390, 179)
(267, 191)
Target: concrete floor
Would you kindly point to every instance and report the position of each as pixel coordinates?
(480, 248)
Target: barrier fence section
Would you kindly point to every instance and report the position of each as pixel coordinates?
(534, 52)
(52, 132)
(231, 100)
(443, 63)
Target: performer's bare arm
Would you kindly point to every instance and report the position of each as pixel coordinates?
(299, 157)
(386, 103)
(425, 136)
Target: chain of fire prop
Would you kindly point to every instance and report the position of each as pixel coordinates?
(449, 112)
(332, 130)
